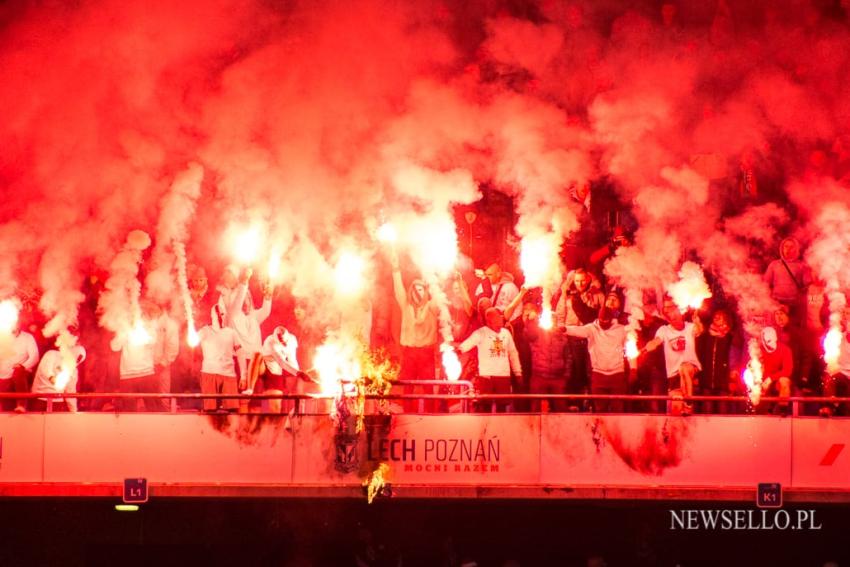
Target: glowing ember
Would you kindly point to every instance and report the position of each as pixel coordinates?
(140, 335)
(8, 316)
(246, 246)
(538, 258)
(387, 233)
(546, 319)
(349, 274)
(337, 365)
(831, 349)
(691, 289)
(451, 364)
(193, 339)
(632, 351)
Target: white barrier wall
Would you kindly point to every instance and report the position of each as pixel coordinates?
(575, 450)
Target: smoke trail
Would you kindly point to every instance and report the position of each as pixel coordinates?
(176, 210)
(119, 303)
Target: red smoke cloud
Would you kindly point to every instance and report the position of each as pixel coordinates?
(307, 115)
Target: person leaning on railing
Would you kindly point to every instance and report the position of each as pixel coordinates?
(20, 355)
(54, 377)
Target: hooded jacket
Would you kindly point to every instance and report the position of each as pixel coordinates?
(218, 345)
(784, 287)
(281, 356)
(50, 367)
(418, 318)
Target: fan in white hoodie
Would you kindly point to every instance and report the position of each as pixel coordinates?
(282, 371)
(52, 377)
(218, 371)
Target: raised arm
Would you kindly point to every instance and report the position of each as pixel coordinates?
(398, 285)
(516, 302)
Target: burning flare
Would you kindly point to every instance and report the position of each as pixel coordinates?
(546, 318)
(538, 259)
(193, 339)
(753, 373)
(632, 351)
(387, 233)
(9, 314)
(832, 349)
(338, 366)
(62, 379)
(139, 335)
(691, 289)
(273, 268)
(451, 364)
(246, 246)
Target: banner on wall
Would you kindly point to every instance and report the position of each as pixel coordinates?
(570, 450)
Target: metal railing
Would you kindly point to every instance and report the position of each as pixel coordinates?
(467, 400)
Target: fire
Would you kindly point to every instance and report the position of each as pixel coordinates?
(193, 339)
(538, 259)
(246, 246)
(387, 233)
(139, 335)
(546, 318)
(8, 316)
(349, 274)
(451, 364)
(338, 367)
(376, 481)
(691, 289)
(831, 349)
(632, 351)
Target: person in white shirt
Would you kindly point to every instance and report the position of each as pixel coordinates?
(497, 355)
(606, 341)
(18, 358)
(680, 357)
(55, 376)
(281, 361)
(246, 322)
(166, 336)
(136, 368)
(219, 345)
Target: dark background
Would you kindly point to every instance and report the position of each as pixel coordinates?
(421, 532)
